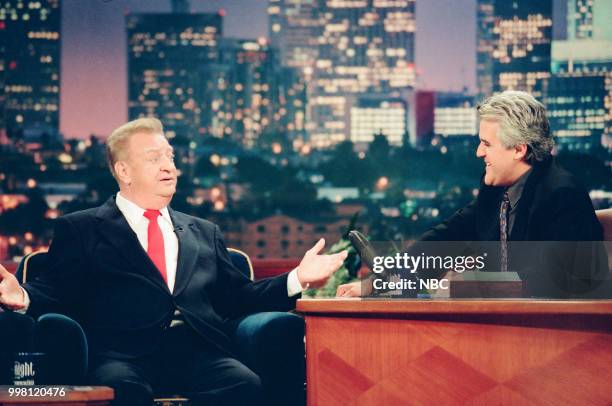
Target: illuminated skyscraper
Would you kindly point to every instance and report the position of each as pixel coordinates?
(172, 71)
(261, 97)
(580, 19)
(386, 116)
(294, 28)
(579, 93)
(292, 102)
(345, 48)
(248, 66)
(579, 107)
(455, 115)
(485, 22)
(589, 19)
(30, 67)
(521, 39)
(200, 84)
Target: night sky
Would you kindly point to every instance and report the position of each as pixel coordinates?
(94, 78)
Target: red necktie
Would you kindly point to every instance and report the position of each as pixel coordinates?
(155, 247)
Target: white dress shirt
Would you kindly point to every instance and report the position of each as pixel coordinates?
(140, 225)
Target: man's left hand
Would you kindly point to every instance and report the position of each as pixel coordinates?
(315, 269)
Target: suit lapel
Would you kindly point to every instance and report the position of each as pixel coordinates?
(188, 249)
(115, 229)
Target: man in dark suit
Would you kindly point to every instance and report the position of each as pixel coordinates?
(525, 196)
(153, 287)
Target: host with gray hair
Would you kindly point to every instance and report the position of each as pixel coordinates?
(522, 120)
(524, 196)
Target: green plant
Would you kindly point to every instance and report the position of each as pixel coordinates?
(347, 273)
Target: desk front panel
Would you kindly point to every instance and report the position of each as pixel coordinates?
(366, 357)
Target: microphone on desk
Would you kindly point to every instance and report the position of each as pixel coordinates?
(363, 247)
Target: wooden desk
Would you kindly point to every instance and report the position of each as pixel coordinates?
(74, 396)
(450, 352)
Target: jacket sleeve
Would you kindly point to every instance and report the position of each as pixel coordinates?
(55, 289)
(461, 226)
(237, 295)
(571, 258)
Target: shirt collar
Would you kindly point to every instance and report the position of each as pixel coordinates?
(134, 213)
(516, 190)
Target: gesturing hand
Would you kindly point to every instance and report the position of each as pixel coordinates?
(11, 295)
(315, 269)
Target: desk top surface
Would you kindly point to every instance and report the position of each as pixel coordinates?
(453, 306)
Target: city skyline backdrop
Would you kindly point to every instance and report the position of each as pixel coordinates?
(266, 134)
(94, 55)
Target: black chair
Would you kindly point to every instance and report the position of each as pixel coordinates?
(61, 338)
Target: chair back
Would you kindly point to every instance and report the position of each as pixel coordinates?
(31, 266)
(241, 260)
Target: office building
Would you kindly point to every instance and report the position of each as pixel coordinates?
(261, 97)
(455, 115)
(579, 109)
(485, 23)
(30, 44)
(172, 71)
(294, 28)
(518, 41)
(345, 49)
(282, 236)
(386, 116)
(588, 19)
(579, 93)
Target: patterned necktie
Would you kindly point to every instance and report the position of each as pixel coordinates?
(155, 247)
(503, 231)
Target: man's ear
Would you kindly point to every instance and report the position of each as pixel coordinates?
(122, 170)
(520, 151)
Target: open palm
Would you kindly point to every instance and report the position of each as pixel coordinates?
(315, 269)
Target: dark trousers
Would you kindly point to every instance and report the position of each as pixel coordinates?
(185, 365)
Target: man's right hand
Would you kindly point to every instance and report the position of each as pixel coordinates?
(11, 294)
(353, 289)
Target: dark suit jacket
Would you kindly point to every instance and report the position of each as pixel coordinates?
(553, 208)
(100, 275)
